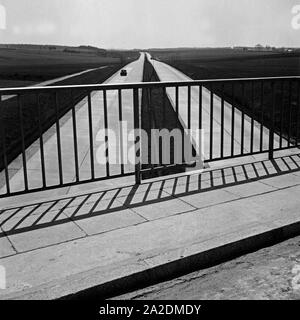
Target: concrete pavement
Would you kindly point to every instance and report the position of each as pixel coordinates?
(123, 236)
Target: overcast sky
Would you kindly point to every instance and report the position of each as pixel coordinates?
(150, 23)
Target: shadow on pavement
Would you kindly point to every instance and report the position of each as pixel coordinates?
(50, 213)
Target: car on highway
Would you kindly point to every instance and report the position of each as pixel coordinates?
(123, 73)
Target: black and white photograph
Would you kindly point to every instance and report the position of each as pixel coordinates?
(149, 154)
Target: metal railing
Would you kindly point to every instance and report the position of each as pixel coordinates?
(239, 117)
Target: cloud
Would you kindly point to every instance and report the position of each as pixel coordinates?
(44, 28)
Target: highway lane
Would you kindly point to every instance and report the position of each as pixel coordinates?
(135, 74)
(168, 73)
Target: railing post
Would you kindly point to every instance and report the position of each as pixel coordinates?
(271, 131)
(271, 145)
(3, 145)
(137, 131)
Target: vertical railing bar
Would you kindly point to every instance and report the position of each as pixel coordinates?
(262, 117)
(58, 140)
(189, 107)
(176, 99)
(75, 140)
(183, 130)
(252, 118)
(23, 143)
(290, 113)
(200, 106)
(164, 108)
(243, 119)
(183, 146)
(200, 124)
(42, 153)
(163, 126)
(297, 114)
(106, 133)
(177, 113)
(281, 113)
(3, 135)
(189, 124)
(121, 131)
(91, 136)
(232, 121)
(298, 122)
(137, 136)
(271, 130)
(211, 122)
(151, 122)
(222, 122)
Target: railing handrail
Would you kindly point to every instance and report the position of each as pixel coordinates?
(138, 85)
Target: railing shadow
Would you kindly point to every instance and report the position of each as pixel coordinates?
(50, 213)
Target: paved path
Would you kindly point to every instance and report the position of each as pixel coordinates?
(167, 73)
(68, 244)
(135, 74)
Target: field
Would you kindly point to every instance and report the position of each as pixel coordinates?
(228, 63)
(24, 67)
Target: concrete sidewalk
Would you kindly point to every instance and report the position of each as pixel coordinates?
(134, 235)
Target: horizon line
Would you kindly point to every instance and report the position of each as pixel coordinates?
(149, 48)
